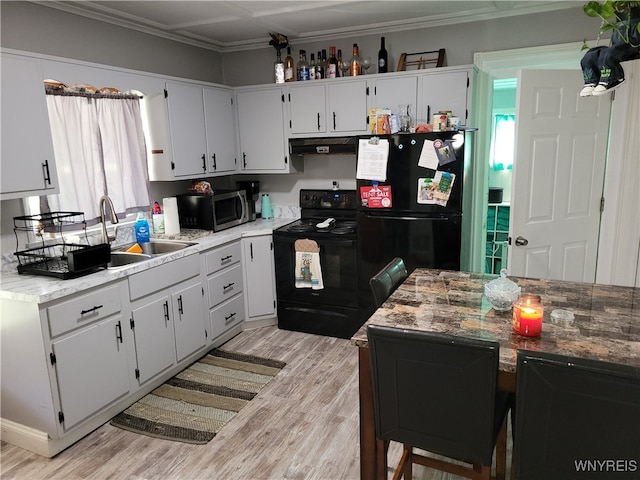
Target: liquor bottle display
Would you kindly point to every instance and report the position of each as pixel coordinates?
(332, 64)
(354, 62)
(312, 68)
(279, 69)
(303, 67)
(382, 57)
(341, 65)
(322, 60)
(289, 71)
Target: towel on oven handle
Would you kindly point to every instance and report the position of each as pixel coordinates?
(308, 272)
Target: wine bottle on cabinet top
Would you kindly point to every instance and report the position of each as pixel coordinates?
(354, 62)
(289, 70)
(382, 57)
(332, 64)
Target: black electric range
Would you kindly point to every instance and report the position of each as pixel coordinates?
(333, 309)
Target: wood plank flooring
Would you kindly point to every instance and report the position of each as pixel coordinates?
(302, 425)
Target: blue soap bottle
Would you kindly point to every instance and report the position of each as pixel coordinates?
(142, 229)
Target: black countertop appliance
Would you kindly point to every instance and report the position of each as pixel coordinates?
(414, 211)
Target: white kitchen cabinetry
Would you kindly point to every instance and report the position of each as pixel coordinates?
(445, 91)
(65, 367)
(259, 274)
(223, 268)
(220, 122)
(192, 132)
(263, 146)
(28, 164)
(347, 107)
(391, 92)
(167, 315)
(307, 109)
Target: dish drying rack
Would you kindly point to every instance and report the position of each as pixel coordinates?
(54, 257)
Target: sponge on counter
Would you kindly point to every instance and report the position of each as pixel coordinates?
(135, 248)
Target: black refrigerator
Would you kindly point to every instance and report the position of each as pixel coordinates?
(414, 209)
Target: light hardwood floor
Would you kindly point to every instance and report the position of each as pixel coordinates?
(302, 425)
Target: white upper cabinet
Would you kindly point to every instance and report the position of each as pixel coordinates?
(307, 109)
(220, 120)
(261, 121)
(192, 132)
(28, 165)
(347, 107)
(187, 127)
(445, 91)
(391, 92)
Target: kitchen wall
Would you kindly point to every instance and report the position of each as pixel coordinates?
(460, 41)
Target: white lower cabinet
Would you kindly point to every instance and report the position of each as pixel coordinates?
(91, 369)
(225, 287)
(167, 316)
(259, 275)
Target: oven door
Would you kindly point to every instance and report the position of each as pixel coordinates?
(338, 258)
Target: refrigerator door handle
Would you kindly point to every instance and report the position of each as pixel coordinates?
(393, 217)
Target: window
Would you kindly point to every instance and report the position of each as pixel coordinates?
(503, 142)
(98, 142)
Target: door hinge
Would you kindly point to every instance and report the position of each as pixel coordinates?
(137, 373)
(283, 98)
(203, 291)
(60, 417)
(274, 304)
(602, 201)
(290, 124)
(285, 160)
(206, 335)
(467, 82)
(166, 93)
(52, 357)
(231, 100)
(367, 92)
(173, 166)
(271, 245)
(132, 324)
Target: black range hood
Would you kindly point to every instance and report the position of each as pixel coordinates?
(323, 145)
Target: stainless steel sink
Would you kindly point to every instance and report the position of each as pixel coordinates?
(121, 259)
(157, 247)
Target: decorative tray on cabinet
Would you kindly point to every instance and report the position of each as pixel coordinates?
(54, 257)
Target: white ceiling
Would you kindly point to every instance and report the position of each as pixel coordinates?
(244, 24)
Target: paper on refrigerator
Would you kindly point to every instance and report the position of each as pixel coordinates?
(372, 159)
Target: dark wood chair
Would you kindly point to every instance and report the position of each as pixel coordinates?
(576, 419)
(438, 393)
(387, 280)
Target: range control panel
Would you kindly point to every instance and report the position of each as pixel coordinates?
(330, 199)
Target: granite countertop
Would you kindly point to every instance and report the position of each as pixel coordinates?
(39, 289)
(606, 325)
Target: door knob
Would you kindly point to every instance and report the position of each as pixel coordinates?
(521, 241)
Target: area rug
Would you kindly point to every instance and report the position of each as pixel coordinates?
(194, 405)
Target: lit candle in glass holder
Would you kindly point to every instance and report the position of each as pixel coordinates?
(527, 315)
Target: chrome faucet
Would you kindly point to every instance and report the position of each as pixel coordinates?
(106, 238)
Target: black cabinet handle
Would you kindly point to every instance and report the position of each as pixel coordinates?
(334, 120)
(251, 250)
(97, 307)
(228, 286)
(46, 173)
(166, 311)
(244, 160)
(226, 319)
(318, 121)
(224, 259)
(214, 161)
(180, 305)
(204, 162)
(119, 331)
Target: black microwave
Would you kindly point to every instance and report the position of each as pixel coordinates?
(223, 209)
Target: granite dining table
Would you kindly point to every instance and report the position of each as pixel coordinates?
(606, 326)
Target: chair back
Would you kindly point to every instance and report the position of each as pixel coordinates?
(434, 391)
(387, 280)
(576, 418)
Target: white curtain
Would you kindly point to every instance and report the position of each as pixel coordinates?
(100, 150)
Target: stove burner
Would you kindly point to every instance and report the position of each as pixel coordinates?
(342, 230)
(301, 228)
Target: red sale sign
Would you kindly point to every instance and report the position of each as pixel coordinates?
(376, 196)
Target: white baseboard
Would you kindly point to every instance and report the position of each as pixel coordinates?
(25, 437)
(263, 322)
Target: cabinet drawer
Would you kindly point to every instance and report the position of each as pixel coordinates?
(84, 309)
(163, 276)
(224, 285)
(226, 315)
(223, 257)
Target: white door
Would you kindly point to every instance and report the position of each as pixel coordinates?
(558, 174)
